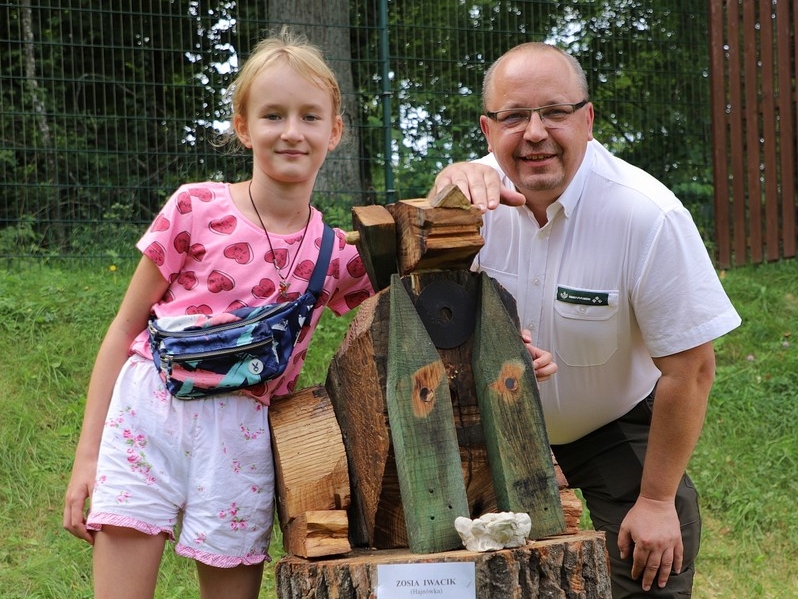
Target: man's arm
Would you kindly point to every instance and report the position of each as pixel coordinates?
(651, 529)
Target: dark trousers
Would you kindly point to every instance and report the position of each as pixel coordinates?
(607, 467)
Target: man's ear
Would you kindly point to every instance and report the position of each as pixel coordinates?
(242, 130)
(590, 115)
(484, 124)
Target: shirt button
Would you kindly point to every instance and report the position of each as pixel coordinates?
(536, 282)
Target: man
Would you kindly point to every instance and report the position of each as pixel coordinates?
(610, 275)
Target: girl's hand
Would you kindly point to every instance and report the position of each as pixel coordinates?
(541, 359)
(78, 493)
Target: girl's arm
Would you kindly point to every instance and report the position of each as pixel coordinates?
(147, 286)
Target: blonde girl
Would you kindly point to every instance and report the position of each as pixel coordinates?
(200, 473)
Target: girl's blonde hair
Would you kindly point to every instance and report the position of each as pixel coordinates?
(283, 48)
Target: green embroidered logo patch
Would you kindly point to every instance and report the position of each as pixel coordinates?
(581, 296)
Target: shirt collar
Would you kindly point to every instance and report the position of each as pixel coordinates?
(570, 197)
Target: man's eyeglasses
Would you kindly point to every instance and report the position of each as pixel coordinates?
(553, 116)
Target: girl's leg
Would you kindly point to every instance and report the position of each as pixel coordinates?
(241, 582)
(126, 563)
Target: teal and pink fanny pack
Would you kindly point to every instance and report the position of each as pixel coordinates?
(199, 355)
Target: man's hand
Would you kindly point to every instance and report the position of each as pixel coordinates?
(480, 183)
(541, 359)
(652, 533)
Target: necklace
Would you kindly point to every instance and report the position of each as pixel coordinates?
(284, 282)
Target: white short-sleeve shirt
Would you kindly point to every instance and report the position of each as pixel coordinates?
(618, 274)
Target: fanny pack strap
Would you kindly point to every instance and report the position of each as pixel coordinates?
(320, 270)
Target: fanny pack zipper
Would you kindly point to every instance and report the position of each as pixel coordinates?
(169, 360)
(200, 331)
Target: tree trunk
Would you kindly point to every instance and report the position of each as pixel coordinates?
(570, 566)
(326, 24)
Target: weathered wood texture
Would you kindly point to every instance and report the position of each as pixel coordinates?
(317, 533)
(422, 431)
(450, 197)
(310, 527)
(567, 566)
(356, 383)
(311, 472)
(430, 238)
(512, 418)
(376, 243)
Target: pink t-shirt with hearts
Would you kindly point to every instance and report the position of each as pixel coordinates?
(217, 260)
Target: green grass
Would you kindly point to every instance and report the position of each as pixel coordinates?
(51, 322)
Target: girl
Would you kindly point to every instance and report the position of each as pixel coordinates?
(152, 463)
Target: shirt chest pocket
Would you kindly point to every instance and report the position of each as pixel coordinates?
(586, 334)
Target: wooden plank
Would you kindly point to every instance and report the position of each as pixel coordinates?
(794, 76)
(318, 534)
(512, 419)
(377, 243)
(739, 210)
(720, 142)
(787, 132)
(568, 566)
(310, 470)
(462, 390)
(768, 132)
(422, 431)
(752, 151)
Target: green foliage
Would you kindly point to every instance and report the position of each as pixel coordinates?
(52, 321)
(647, 67)
(106, 108)
(22, 237)
(106, 112)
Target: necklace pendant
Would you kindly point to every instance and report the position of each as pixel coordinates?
(284, 285)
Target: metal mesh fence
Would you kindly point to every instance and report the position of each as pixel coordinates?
(105, 108)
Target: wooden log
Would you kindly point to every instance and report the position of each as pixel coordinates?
(565, 566)
(317, 533)
(376, 243)
(311, 471)
(422, 431)
(572, 509)
(435, 238)
(512, 419)
(356, 382)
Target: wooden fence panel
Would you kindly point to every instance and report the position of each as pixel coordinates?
(753, 57)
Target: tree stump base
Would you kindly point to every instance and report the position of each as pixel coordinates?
(562, 566)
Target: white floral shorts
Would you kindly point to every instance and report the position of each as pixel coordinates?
(203, 467)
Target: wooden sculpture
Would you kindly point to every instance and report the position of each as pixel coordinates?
(437, 414)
